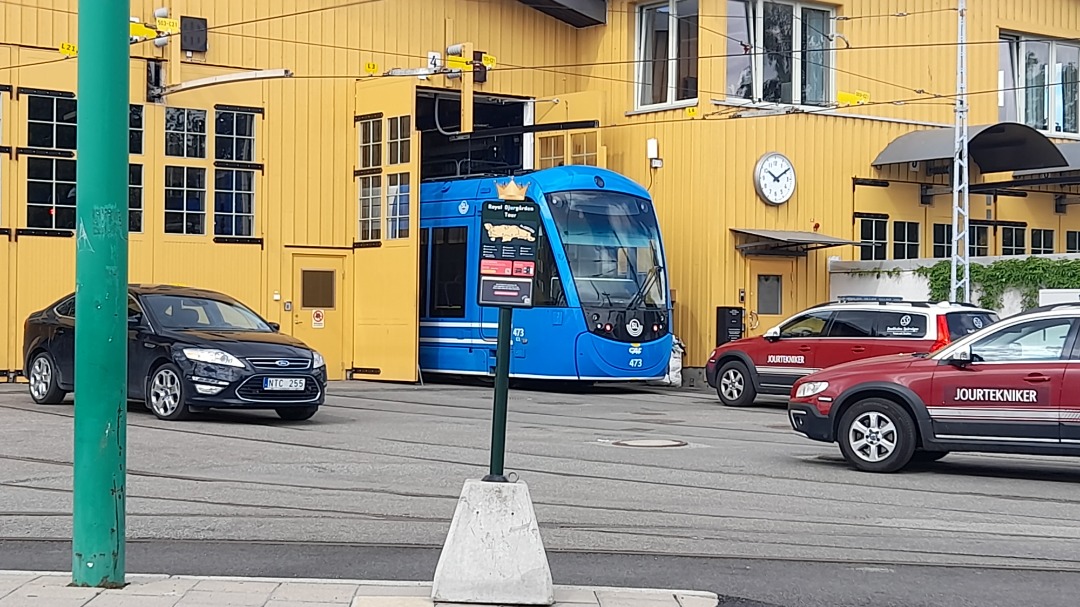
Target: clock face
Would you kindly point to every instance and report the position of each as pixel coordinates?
(775, 178)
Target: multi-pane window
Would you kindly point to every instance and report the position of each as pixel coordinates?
(135, 129)
(1039, 83)
(905, 240)
(185, 133)
(1072, 241)
(135, 198)
(234, 202)
(667, 52)
(370, 143)
(1013, 240)
(370, 208)
(397, 205)
(234, 136)
(51, 122)
(978, 241)
(185, 200)
(779, 51)
(583, 148)
(552, 151)
(1042, 242)
(943, 240)
(50, 193)
(398, 139)
(874, 238)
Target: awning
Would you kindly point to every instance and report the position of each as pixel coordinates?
(578, 13)
(785, 242)
(1071, 152)
(995, 148)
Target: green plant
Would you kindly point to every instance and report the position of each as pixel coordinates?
(1025, 274)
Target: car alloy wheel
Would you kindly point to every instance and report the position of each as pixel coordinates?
(41, 375)
(877, 435)
(732, 384)
(166, 394)
(873, 437)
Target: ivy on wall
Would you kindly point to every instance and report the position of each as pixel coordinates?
(1025, 274)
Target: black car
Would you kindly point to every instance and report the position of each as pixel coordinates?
(188, 350)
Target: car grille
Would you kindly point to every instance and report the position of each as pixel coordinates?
(252, 390)
(275, 363)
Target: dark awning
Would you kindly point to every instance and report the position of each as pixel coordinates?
(578, 13)
(995, 148)
(786, 242)
(1071, 152)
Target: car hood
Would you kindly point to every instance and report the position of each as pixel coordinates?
(244, 343)
(872, 364)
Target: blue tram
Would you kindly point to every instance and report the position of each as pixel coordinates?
(601, 308)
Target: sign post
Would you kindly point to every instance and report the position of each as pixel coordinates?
(101, 277)
(509, 234)
(493, 553)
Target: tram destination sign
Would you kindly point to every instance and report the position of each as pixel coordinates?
(509, 234)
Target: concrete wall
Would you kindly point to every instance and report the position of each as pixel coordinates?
(898, 278)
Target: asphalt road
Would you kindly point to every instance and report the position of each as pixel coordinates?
(746, 509)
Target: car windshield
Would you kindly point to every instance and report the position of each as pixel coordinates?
(612, 245)
(200, 313)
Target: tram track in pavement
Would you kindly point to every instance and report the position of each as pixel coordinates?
(681, 469)
(450, 497)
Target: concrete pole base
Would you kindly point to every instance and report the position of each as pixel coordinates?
(493, 553)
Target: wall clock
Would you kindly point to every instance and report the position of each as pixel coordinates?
(774, 178)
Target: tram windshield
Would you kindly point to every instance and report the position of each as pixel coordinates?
(612, 244)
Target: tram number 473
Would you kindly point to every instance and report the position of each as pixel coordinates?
(635, 363)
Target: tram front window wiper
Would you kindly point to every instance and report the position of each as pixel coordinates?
(651, 277)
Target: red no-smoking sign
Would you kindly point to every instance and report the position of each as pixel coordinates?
(317, 319)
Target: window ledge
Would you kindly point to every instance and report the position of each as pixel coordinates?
(665, 107)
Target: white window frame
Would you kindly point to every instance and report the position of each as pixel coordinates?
(235, 193)
(1018, 86)
(758, 59)
(1042, 249)
(643, 63)
(873, 243)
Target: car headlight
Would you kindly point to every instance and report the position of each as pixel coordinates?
(811, 388)
(317, 360)
(213, 357)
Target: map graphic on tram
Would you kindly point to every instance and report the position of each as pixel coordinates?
(508, 252)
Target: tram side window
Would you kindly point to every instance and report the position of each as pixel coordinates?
(547, 289)
(449, 256)
(425, 279)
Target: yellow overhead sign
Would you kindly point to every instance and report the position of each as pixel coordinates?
(169, 26)
(488, 61)
(140, 30)
(457, 62)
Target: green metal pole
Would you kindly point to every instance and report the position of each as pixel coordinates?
(101, 277)
(502, 389)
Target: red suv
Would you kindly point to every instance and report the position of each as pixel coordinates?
(1002, 389)
(833, 333)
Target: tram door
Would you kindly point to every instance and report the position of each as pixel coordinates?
(386, 261)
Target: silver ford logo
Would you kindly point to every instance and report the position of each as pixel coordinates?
(634, 327)
(282, 363)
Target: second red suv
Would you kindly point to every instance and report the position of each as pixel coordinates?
(1007, 388)
(833, 333)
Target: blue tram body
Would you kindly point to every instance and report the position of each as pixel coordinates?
(601, 308)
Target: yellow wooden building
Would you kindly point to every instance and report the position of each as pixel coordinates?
(260, 186)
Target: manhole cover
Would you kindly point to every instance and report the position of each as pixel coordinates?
(650, 442)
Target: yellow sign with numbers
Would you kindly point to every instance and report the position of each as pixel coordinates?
(371, 68)
(169, 26)
(69, 49)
